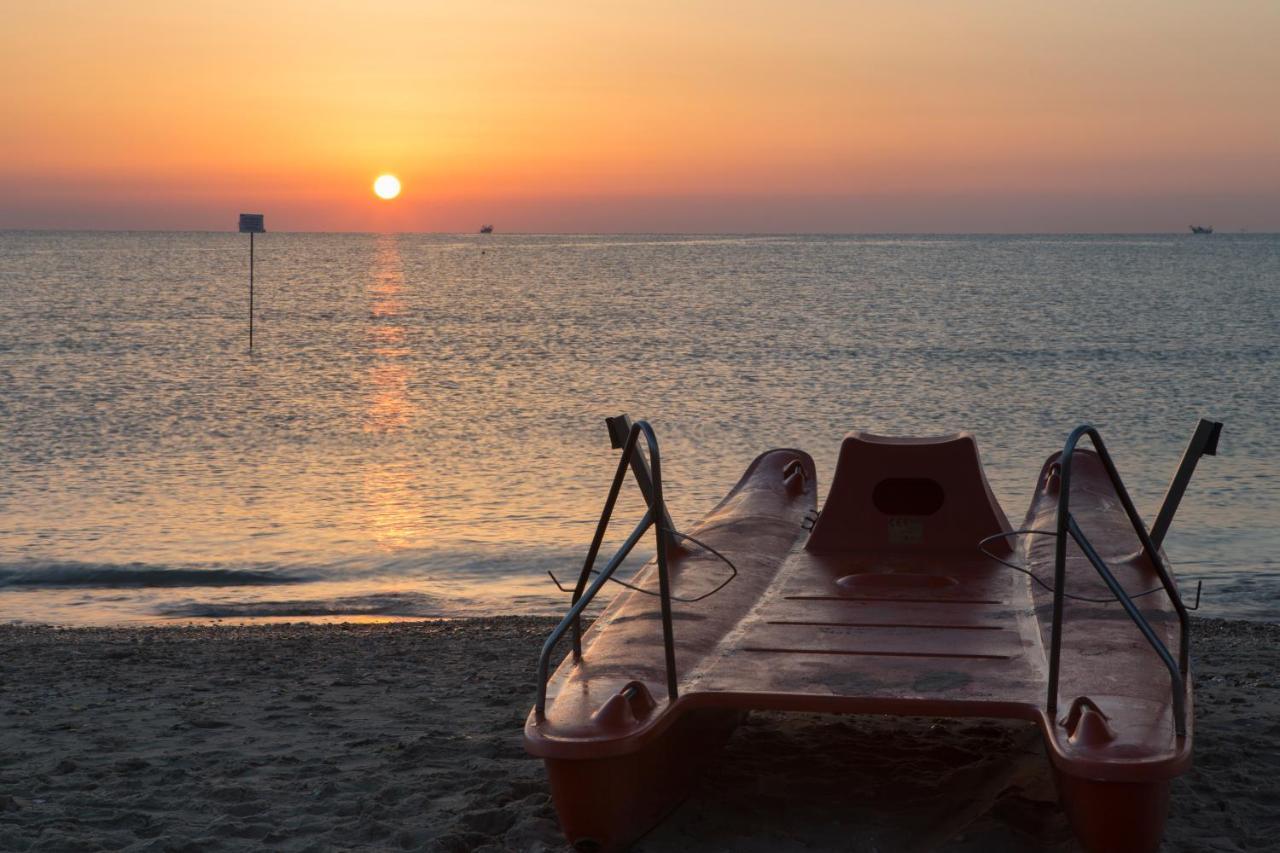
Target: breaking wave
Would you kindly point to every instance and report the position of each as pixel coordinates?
(137, 575)
(388, 604)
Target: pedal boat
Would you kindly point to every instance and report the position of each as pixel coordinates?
(881, 603)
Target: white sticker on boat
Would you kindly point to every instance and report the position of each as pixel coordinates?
(905, 530)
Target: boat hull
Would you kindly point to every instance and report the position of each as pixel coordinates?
(1115, 817)
(604, 804)
(886, 607)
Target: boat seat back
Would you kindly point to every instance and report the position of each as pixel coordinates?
(906, 494)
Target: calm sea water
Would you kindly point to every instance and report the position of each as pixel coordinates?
(419, 428)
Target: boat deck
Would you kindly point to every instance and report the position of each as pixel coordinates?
(937, 633)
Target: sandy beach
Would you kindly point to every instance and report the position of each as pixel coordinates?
(408, 736)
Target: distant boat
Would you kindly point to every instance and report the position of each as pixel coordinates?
(488, 229)
(1201, 229)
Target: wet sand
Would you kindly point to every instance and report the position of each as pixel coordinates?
(407, 736)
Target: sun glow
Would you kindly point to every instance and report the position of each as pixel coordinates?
(386, 187)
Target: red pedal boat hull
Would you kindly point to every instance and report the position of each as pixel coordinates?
(885, 605)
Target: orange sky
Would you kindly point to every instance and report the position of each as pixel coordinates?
(834, 116)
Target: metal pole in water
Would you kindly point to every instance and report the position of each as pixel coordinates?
(251, 223)
(250, 290)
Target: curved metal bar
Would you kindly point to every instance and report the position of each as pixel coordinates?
(544, 659)
(1065, 522)
(1148, 546)
(605, 514)
(664, 580)
(1179, 698)
(583, 595)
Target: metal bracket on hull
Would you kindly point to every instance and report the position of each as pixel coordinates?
(655, 516)
(1204, 441)
(619, 430)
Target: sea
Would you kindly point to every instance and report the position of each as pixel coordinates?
(418, 430)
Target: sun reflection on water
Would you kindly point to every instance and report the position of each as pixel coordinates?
(388, 377)
(395, 519)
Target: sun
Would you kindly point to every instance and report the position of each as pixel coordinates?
(386, 187)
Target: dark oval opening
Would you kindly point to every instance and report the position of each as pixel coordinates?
(907, 496)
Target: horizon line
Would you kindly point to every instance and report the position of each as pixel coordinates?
(476, 233)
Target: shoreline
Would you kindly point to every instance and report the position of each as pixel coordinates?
(1243, 595)
(406, 735)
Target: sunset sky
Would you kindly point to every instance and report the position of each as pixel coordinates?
(1004, 115)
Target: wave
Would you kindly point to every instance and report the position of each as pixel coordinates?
(113, 576)
(474, 564)
(385, 604)
(1244, 594)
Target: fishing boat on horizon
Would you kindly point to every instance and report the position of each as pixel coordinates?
(486, 229)
(908, 593)
(1201, 229)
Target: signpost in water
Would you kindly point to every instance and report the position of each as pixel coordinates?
(251, 223)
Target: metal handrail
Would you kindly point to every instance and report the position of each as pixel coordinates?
(583, 595)
(1067, 526)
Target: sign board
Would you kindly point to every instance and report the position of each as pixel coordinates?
(251, 223)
